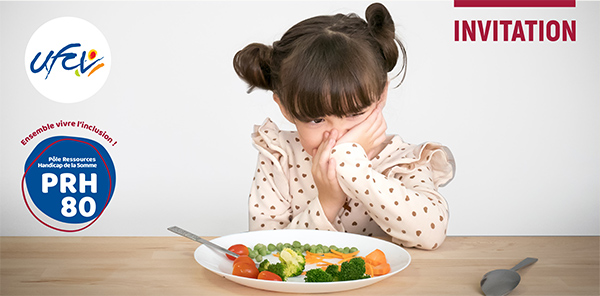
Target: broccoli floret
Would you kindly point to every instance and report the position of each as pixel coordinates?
(353, 270)
(278, 269)
(334, 271)
(330, 274)
(274, 268)
(349, 271)
(293, 263)
(318, 275)
(264, 265)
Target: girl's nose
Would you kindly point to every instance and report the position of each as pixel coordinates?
(341, 127)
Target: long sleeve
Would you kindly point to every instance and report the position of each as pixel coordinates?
(268, 203)
(401, 196)
(283, 194)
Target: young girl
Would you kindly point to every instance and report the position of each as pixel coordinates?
(340, 171)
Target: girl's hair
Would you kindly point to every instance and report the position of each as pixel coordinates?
(326, 65)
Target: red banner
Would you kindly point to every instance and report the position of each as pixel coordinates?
(514, 3)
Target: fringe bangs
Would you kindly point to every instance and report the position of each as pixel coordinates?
(338, 77)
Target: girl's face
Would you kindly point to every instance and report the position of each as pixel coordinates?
(312, 133)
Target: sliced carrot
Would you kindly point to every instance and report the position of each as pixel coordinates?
(376, 258)
(321, 259)
(369, 269)
(312, 258)
(344, 255)
(331, 255)
(381, 269)
(352, 255)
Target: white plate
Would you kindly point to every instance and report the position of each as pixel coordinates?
(397, 257)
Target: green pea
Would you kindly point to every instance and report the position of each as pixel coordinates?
(259, 258)
(272, 248)
(252, 254)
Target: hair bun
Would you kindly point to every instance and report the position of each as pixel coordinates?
(383, 30)
(379, 19)
(253, 65)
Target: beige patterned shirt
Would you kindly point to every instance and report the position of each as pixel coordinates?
(393, 194)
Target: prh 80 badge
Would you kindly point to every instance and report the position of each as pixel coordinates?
(68, 182)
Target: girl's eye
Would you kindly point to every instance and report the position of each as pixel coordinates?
(318, 120)
(357, 114)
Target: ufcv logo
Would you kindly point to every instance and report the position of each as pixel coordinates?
(67, 60)
(66, 55)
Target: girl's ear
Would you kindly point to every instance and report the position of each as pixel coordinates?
(285, 113)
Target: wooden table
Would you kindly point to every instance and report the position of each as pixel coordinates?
(166, 266)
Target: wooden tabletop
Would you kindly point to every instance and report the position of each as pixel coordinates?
(166, 266)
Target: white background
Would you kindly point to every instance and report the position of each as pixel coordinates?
(520, 117)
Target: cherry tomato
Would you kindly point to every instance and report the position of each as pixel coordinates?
(245, 269)
(269, 276)
(243, 259)
(238, 249)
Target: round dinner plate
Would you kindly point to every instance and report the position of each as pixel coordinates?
(215, 261)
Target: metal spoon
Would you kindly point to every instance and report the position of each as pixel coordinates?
(503, 281)
(196, 238)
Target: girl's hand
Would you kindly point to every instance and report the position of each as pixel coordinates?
(370, 133)
(331, 196)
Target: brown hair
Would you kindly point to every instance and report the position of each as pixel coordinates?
(326, 65)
